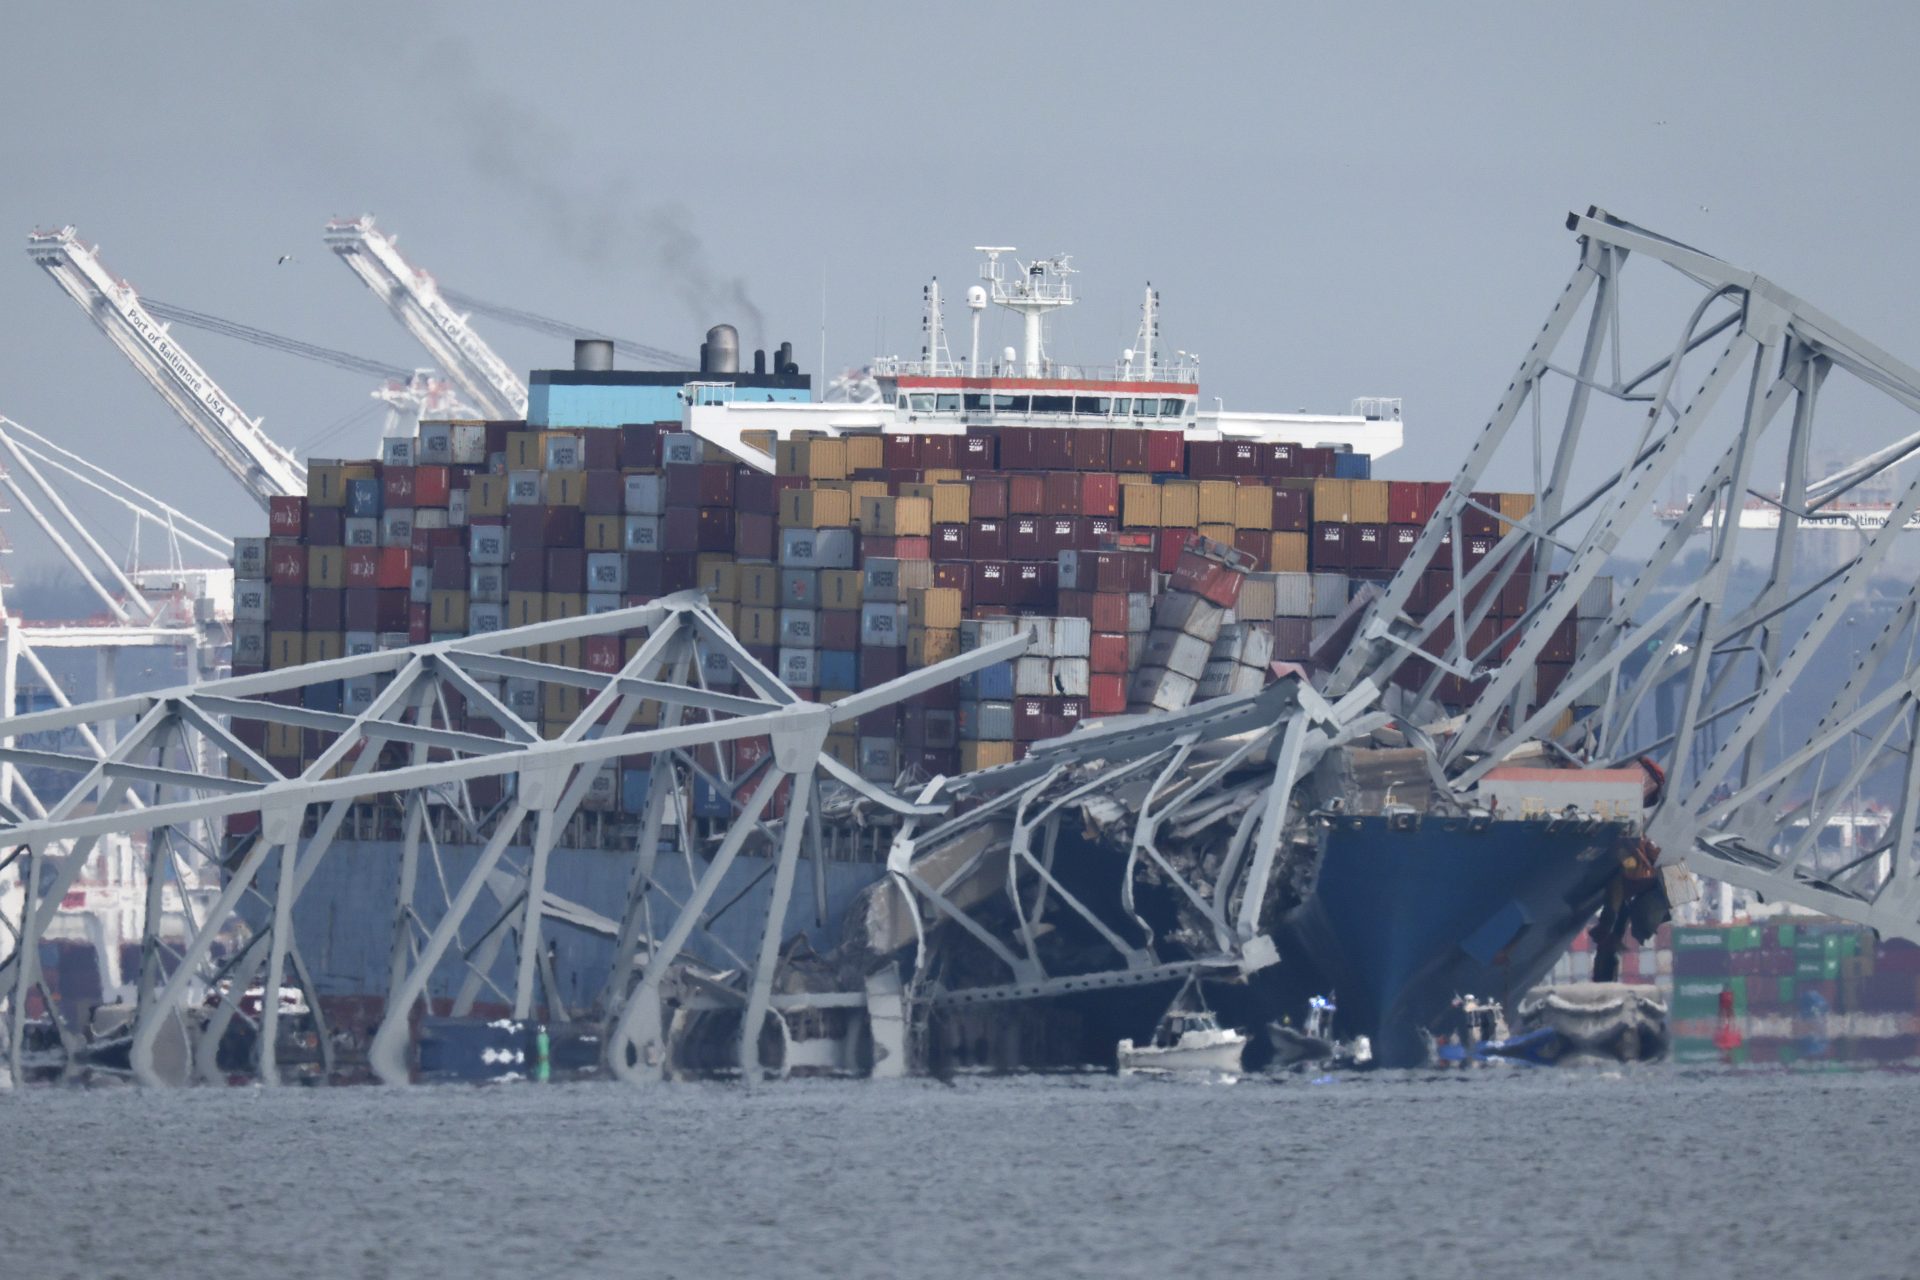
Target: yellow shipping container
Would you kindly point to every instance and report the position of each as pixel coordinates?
(1252, 506)
(1140, 506)
(865, 489)
(928, 645)
(826, 458)
(1179, 505)
(326, 484)
(486, 496)
(286, 649)
(758, 586)
(864, 453)
(840, 588)
(1216, 501)
(565, 488)
(1218, 532)
(758, 439)
(605, 533)
(952, 503)
(562, 653)
(447, 611)
(815, 509)
(1287, 553)
(843, 748)
(934, 607)
(942, 475)
(524, 452)
(984, 755)
(1514, 507)
(758, 626)
(324, 646)
(1367, 501)
(555, 605)
(896, 517)
(1332, 501)
(282, 739)
(326, 567)
(718, 576)
(524, 608)
(729, 614)
(560, 703)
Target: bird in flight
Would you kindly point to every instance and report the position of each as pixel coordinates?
(283, 259)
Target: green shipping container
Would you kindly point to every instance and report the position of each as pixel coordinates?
(1699, 938)
(1783, 935)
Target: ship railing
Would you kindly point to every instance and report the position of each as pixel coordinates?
(894, 367)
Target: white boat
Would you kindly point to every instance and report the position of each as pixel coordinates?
(1186, 1040)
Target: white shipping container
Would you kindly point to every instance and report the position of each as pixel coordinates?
(1071, 677)
(1178, 652)
(429, 517)
(565, 453)
(1033, 677)
(397, 451)
(1139, 611)
(1329, 594)
(249, 558)
(392, 640)
(646, 495)
(604, 788)
(523, 489)
(357, 694)
(362, 531)
(879, 759)
(356, 643)
(883, 625)
(249, 643)
(396, 527)
(799, 668)
(485, 617)
(250, 599)
(981, 632)
(716, 666)
(468, 442)
(606, 571)
(799, 628)
(1072, 637)
(1256, 650)
(1190, 614)
(602, 602)
(420, 585)
(1596, 601)
(1156, 688)
(1040, 632)
(436, 443)
(457, 508)
(523, 699)
(682, 446)
(486, 584)
(487, 544)
(993, 722)
(642, 533)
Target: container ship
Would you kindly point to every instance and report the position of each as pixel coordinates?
(1160, 555)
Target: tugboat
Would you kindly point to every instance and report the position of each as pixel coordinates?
(1187, 1040)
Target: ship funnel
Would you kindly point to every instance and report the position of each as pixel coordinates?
(720, 353)
(592, 355)
(783, 360)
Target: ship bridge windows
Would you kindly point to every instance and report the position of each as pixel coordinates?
(1053, 404)
(947, 402)
(1097, 406)
(921, 402)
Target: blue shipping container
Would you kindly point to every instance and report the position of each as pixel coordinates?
(322, 697)
(363, 498)
(989, 684)
(633, 789)
(709, 801)
(1352, 466)
(839, 670)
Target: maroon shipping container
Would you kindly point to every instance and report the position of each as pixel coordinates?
(679, 529)
(1109, 611)
(879, 665)
(679, 571)
(1476, 548)
(1561, 644)
(326, 526)
(716, 484)
(1031, 720)
(287, 608)
(909, 548)
(396, 486)
(1475, 523)
(1366, 546)
(992, 582)
(1168, 546)
(987, 539)
(1407, 502)
(939, 451)
(644, 575)
(639, 445)
(1277, 460)
(950, 542)
(287, 564)
(1293, 639)
(1024, 540)
(546, 527)
(566, 570)
(527, 569)
(286, 516)
(839, 629)
(715, 529)
(1240, 458)
(1166, 452)
(957, 575)
(1400, 540)
(1061, 533)
(1026, 495)
(449, 569)
(1034, 585)
(900, 451)
(683, 484)
(1052, 448)
(605, 493)
(1061, 495)
(1100, 494)
(755, 535)
(1547, 677)
(326, 609)
(979, 449)
(1092, 449)
(1127, 451)
(600, 450)
(1256, 543)
(1075, 604)
(1017, 449)
(1328, 548)
(988, 499)
(1100, 530)
(755, 491)
(1203, 459)
(1292, 510)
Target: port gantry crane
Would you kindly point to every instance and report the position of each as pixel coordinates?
(255, 459)
(415, 300)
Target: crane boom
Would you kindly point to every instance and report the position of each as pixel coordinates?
(413, 297)
(255, 459)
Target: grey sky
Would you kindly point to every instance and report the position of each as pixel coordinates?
(1333, 200)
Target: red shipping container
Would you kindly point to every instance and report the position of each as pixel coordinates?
(900, 451)
(839, 629)
(754, 535)
(425, 543)
(419, 624)
(1106, 694)
(1127, 451)
(1366, 546)
(1206, 578)
(1407, 502)
(362, 567)
(1100, 494)
(1328, 549)
(1108, 612)
(431, 486)
(1168, 547)
(1026, 495)
(950, 542)
(1092, 449)
(904, 548)
(957, 575)
(1062, 494)
(992, 582)
(987, 539)
(1108, 652)
(287, 564)
(1052, 448)
(396, 486)
(988, 499)
(395, 568)
(1315, 463)
(286, 516)
(601, 653)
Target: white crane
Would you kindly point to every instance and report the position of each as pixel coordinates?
(255, 459)
(413, 297)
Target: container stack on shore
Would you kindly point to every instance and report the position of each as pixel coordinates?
(1150, 570)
